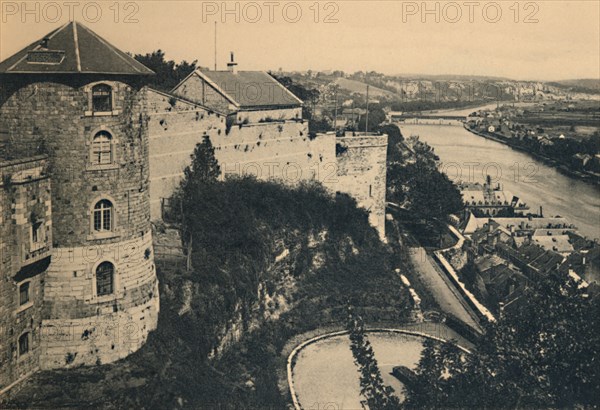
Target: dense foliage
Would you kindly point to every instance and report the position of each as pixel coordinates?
(395, 138)
(542, 354)
(168, 72)
(376, 117)
(419, 186)
(378, 396)
(269, 262)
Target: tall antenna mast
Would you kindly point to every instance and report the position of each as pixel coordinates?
(215, 46)
(367, 118)
(335, 116)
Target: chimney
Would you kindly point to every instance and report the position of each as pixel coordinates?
(232, 65)
(541, 212)
(44, 43)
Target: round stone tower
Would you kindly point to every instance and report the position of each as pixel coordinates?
(81, 101)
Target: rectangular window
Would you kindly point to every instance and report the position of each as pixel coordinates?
(37, 232)
(102, 98)
(102, 216)
(104, 279)
(24, 293)
(24, 344)
(102, 152)
(97, 220)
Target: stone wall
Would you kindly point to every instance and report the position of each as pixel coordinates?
(196, 89)
(80, 327)
(263, 115)
(275, 150)
(272, 150)
(362, 174)
(174, 131)
(50, 117)
(54, 116)
(24, 195)
(278, 150)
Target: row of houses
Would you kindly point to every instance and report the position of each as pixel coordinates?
(508, 254)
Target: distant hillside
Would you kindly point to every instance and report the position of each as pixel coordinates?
(451, 77)
(359, 87)
(585, 85)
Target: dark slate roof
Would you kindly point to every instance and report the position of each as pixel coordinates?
(72, 48)
(250, 89)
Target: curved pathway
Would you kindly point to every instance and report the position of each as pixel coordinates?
(325, 378)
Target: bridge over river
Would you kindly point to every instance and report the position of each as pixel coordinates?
(430, 120)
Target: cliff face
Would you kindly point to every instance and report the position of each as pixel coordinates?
(268, 263)
(283, 248)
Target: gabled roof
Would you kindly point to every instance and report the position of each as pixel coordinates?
(249, 89)
(72, 48)
(474, 223)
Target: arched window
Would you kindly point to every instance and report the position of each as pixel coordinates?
(103, 216)
(101, 98)
(102, 149)
(24, 344)
(104, 278)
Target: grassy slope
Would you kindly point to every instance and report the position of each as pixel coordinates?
(359, 87)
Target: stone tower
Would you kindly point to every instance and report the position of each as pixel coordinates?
(82, 102)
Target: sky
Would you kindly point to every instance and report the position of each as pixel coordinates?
(540, 40)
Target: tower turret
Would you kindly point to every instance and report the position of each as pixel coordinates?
(82, 102)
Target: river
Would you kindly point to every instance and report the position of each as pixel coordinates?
(468, 157)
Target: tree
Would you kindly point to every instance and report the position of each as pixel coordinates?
(394, 152)
(168, 73)
(543, 354)
(378, 395)
(204, 168)
(426, 191)
(199, 176)
(376, 117)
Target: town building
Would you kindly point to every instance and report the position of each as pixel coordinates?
(488, 200)
(519, 223)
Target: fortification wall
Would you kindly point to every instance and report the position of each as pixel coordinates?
(55, 116)
(174, 131)
(278, 114)
(270, 150)
(278, 150)
(362, 174)
(80, 327)
(24, 193)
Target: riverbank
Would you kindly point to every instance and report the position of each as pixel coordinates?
(562, 168)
